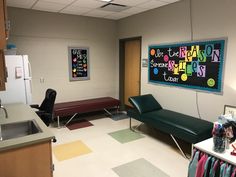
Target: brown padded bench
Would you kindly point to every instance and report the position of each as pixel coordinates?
(84, 106)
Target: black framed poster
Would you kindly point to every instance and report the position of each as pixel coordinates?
(78, 63)
(195, 65)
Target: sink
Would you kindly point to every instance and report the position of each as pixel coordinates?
(18, 129)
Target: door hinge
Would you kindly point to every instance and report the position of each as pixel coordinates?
(7, 28)
(52, 167)
(7, 25)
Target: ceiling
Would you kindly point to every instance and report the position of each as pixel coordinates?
(116, 9)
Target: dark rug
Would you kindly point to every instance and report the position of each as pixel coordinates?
(79, 124)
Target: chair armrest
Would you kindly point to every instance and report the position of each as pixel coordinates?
(43, 113)
(34, 106)
(45, 117)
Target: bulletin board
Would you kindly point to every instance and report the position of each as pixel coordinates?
(78, 63)
(195, 65)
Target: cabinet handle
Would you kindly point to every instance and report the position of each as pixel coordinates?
(54, 140)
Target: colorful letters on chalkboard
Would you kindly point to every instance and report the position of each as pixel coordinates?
(196, 65)
(78, 63)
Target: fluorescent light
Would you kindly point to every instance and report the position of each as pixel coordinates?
(106, 0)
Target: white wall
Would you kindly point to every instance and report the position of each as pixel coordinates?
(45, 37)
(170, 24)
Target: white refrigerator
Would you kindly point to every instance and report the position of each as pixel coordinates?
(18, 85)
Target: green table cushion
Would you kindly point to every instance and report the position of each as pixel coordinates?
(188, 128)
(145, 103)
(182, 126)
(135, 114)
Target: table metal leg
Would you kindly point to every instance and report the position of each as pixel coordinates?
(71, 119)
(177, 144)
(58, 121)
(110, 114)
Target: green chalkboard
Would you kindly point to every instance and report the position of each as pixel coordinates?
(195, 65)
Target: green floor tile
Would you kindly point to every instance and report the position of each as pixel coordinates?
(139, 168)
(126, 135)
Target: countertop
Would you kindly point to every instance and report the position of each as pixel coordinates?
(22, 112)
(207, 147)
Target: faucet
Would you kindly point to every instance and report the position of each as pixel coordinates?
(4, 109)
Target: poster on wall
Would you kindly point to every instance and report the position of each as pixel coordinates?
(195, 65)
(78, 63)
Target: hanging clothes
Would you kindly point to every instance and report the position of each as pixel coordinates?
(193, 165)
(228, 171)
(200, 166)
(234, 173)
(208, 166)
(205, 165)
(223, 166)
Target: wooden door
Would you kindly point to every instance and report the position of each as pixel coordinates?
(132, 69)
(3, 20)
(2, 71)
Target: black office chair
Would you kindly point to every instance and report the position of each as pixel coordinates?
(45, 110)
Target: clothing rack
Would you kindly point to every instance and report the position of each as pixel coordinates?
(207, 147)
(207, 163)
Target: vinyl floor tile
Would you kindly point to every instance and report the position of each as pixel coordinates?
(139, 168)
(70, 150)
(126, 135)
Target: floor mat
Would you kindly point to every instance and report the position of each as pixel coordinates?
(79, 124)
(139, 168)
(70, 150)
(126, 135)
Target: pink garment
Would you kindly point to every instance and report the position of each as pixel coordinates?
(200, 166)
(234, 173)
